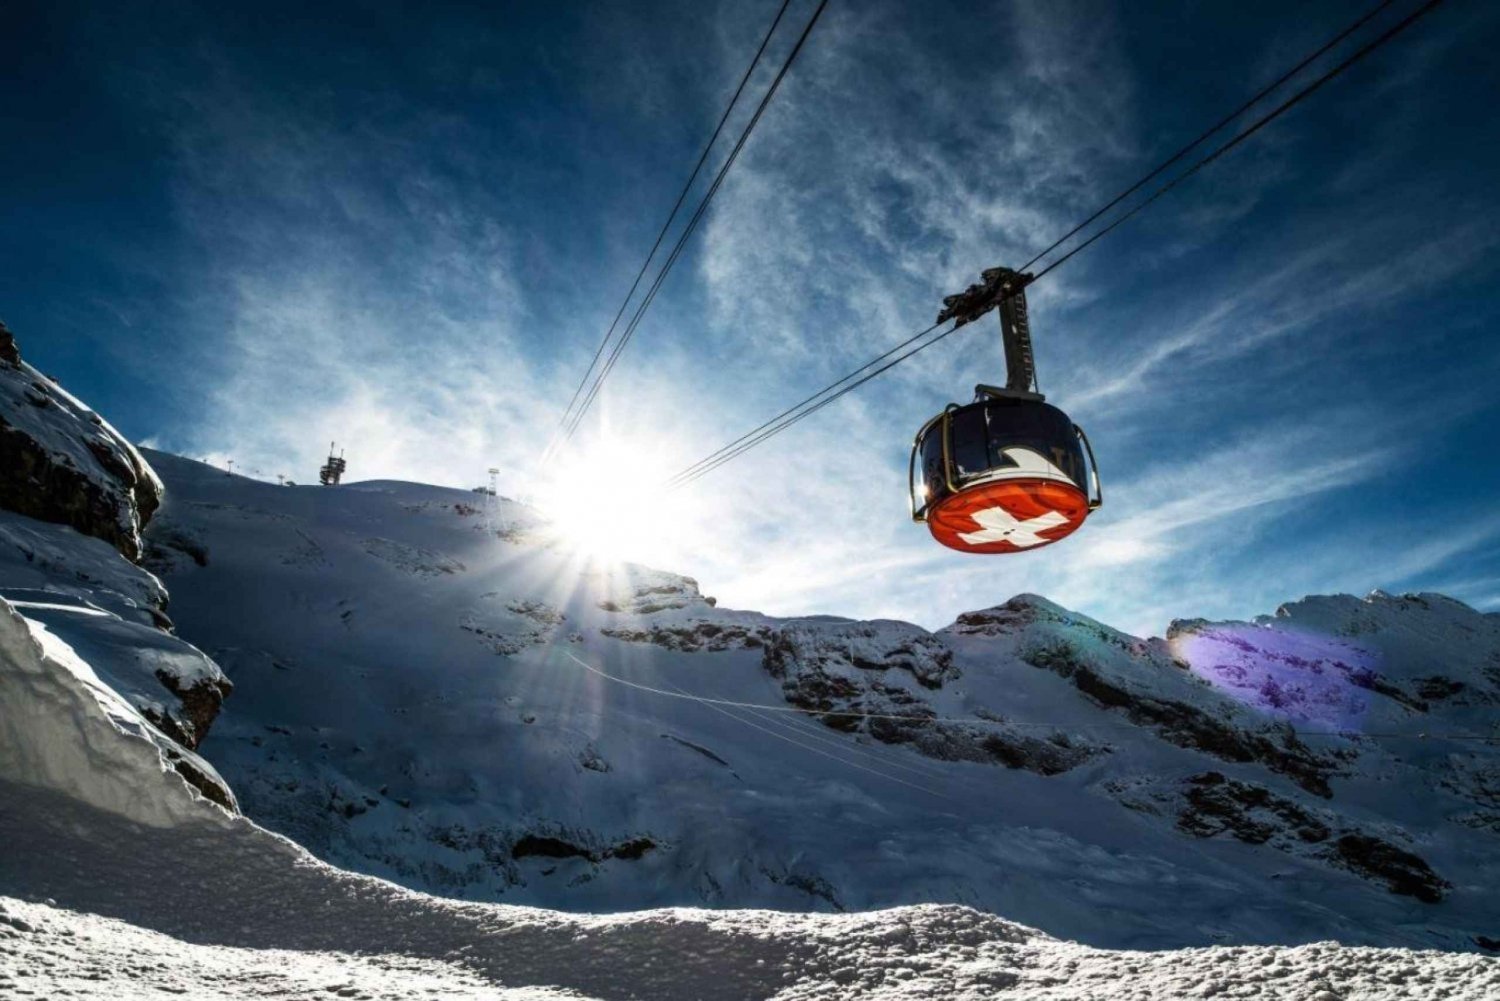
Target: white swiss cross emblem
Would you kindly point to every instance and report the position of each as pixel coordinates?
(999, 525)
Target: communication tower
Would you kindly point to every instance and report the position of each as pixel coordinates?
(333, 469)
(491, 503)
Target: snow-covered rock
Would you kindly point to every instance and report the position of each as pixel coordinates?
(66, 726)
(640, 591)
(73, 498)
(36, 554)
(63, 463)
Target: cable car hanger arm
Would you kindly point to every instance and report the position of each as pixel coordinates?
(1003, 289)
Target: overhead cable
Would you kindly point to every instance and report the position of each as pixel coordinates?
(687, 232)
(864, 374)
(671, 217)
(678, 693)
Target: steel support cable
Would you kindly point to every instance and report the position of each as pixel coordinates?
(692, 224)
(1259, 96)
(688, 473)
(678, 693)
(1255, 99)
(808, 747)
(1260, 123)
(812, 731)
(671, 217)
(728, 452)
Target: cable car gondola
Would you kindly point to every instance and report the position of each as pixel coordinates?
(1008, 472)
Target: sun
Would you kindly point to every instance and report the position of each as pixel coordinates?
(610, 503)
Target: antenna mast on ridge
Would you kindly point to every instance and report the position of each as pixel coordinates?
(333, 469)
(491, 503)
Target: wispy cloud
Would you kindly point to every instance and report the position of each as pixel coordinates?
(398, 279)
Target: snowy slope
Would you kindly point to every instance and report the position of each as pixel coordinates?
(119, 881)
(429, 689)
(433, 693)
(94, 906)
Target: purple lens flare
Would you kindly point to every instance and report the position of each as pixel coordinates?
(1292, 675)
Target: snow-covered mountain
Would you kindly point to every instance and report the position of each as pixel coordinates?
(428, 688)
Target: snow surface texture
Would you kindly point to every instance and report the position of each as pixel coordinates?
(211, 908)
(429, 691)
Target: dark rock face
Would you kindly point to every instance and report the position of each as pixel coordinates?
(1217, 805)
(210, 788)
(63, 464)
(698, 636)
(1438, 688)
(10, 354)
(1189, 726)
(1403, 872)
(1250, 813)
(1049, 755)
(199, 707)
(44, 488)
(529, 845)
(854, 678)
(549, 847)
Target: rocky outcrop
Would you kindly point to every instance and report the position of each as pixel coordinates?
(870, 678)
(811, 659)
(204, 780)
(696, 635)
(1214, 805)
(1188, 725)
(65, 472)
(1251, 813)
(1150, 684)
(509, 627)
(10, 352)
(198, 705)
(1403, 872)
(512, 857)
(547, 846)
(636, 590)
(64, 464)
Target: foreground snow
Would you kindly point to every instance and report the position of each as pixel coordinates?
(221, 909)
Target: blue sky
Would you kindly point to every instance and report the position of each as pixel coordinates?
(244, 230)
